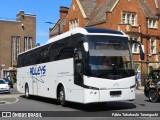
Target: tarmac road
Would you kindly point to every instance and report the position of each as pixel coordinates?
(17, 102)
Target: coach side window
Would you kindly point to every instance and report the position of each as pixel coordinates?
(43, 55)
(65, 53)
(20, 61)
(27, 59)
(53, 49)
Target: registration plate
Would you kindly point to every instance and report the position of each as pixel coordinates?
(115, 96)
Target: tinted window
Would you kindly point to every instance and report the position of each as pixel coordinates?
(66, 53)
(62, 49)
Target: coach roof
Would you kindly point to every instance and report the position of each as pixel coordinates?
(103, 30)
(86, 30)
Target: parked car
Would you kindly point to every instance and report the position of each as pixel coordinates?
(10, 83)
(152, 86)
(4, 87)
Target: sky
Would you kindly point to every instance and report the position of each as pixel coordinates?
(45, 11)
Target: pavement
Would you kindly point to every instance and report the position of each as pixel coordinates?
(10, 98)
(140, 91)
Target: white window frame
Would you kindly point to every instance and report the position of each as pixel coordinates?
(135, 48)
(15, 48)
(153, 45)
(128, 18)
(152, 23)
(123, 18)
(73, 24)
(133, 19)
(18, 44)
(28, 43)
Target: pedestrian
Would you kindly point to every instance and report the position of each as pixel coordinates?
(138, 80)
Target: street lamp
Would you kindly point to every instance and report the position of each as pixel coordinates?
(59, 32)
(50, 22)
(147, 44)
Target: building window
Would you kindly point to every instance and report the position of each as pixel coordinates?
(135, 48)
(123, 18)
(27, 43)
(133, 19)
(73, 24)
(153, 46)
(152, 23)
(129, 18)
(15, 48)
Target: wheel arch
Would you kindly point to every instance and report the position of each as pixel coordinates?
(58, 89)
(26, 84)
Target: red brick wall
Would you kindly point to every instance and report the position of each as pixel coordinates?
(74, 13)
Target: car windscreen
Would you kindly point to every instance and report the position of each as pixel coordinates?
(155, 75)
(2, 82)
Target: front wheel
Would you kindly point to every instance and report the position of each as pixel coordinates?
(61, 96)
(146, 91)
(27, 92)
(153, 96)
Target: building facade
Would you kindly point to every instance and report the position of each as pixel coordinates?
(15, 37)
(139, 19)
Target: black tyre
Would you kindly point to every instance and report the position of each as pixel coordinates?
(11, 86)
(27, 91)
(146, 91)
(61, 96)
(153, 96)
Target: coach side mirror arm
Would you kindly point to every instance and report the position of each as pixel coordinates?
(141, 47)
(85, 43)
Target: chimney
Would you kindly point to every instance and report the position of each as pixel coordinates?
(20, 15)
(63, 11)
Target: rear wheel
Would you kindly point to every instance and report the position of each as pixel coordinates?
(153, 96)
(27, 91)
(61, 96)
(146, 91)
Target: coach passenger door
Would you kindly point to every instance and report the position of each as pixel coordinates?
(78, 72)
(33, 71)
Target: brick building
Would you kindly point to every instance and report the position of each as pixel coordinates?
(15, 37)
(139, 19)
